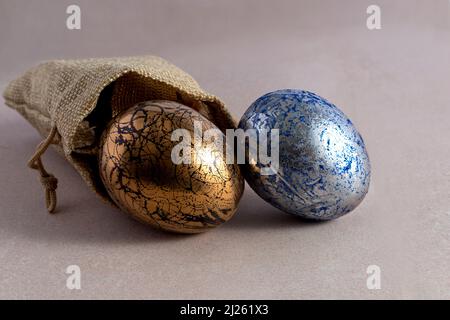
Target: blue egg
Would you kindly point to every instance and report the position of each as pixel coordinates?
(323, 169)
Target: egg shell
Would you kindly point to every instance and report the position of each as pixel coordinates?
(138, 171)
(324, 169)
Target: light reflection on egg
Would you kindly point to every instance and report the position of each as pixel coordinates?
(324, 168)
(138, 171)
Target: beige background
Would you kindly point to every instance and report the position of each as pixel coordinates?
(394, 84)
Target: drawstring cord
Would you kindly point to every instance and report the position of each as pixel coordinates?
(48, 180)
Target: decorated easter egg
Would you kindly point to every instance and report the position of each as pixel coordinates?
(323, 169)
(156, 167)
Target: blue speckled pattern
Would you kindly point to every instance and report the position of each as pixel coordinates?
(324, 169)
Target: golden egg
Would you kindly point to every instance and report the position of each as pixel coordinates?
(157, 165)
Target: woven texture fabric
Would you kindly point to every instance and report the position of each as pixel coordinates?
(79, 97)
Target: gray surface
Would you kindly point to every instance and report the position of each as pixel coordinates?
(393, 83)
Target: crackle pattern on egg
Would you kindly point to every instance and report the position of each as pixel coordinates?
(324, 169)
(136, 167)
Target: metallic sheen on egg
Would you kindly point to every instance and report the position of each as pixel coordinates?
(324, 168)
(137, 169)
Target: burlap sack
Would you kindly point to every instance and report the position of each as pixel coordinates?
(71, 101)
